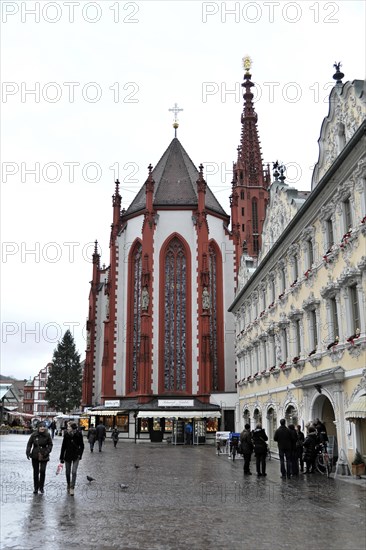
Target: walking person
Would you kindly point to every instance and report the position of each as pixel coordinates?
(260, 437)
(294, 459)
(53, 428)
(300, 447)
(247, 448)
(71, 452)
(38, 449)
(188, 432)
(92, 437)
(310, 444)
(283, 438)
(114, 436)
(101, 435)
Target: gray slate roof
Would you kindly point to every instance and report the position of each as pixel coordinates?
(175, 178)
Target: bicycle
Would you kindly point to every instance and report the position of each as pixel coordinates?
(323, 462)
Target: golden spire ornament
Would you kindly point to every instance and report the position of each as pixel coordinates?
(247, 63)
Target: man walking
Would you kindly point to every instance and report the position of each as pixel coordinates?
(247, 448)
(283, 438)
(101, 435)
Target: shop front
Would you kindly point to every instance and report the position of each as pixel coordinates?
(173, 426)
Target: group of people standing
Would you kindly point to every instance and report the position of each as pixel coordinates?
(294, 448)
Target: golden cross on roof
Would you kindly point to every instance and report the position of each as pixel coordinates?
(175, 110)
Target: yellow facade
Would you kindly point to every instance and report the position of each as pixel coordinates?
(300, 318)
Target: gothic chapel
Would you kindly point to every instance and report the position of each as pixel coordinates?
(160, 341)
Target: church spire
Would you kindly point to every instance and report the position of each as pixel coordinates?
(249, 152)
(250, 181)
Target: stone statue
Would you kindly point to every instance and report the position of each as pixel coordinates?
(145, 299)
(205, 299)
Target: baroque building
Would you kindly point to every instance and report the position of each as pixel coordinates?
(300, 315)
(160, 340)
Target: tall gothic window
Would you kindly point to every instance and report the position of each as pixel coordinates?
(175, 322)
(213, 317)
(135, 314)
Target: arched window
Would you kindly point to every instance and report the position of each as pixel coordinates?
(175, 317)
(216, 323)
(246, 416)
(134, 315)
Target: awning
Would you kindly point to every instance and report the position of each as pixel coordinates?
(179, 414)
(104, 412)
(357, 409)
(16, 413)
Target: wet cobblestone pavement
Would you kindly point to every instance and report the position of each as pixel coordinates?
(180, 497)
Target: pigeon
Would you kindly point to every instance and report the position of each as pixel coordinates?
(90, 478)
(137, 466)
(123, 486)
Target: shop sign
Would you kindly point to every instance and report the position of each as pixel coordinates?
(112, 403)
(175, 402)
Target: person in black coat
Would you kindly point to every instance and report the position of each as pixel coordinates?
(247, 448)
(38, 449)
(294, 459)
(284, 441)
(259, 438)
(310, 444)
(71, 453)
(300, 446)
(101, 435)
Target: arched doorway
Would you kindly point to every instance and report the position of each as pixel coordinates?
(323, 409)
(257, 417)
(291, 415)
(246, 416)
(271, 426)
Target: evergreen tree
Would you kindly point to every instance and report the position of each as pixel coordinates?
(63, 390)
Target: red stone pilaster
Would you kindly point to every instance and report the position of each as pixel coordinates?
(145, 355)
(111, 291)
(204, 298)
(89, 369)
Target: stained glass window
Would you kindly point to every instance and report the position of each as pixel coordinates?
(175, 322)
(213, 318)
(136, 335)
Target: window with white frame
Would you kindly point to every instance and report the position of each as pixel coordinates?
(313, 329)
(273, 290)
(310, 254)
(284, 345)
(264, 355)
(329, 233)
(347, 214)
(355, 309)
(297, 330)
(283, 278)
(334, 325)
(295, 267)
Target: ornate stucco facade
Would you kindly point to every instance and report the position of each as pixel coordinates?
(300, 317)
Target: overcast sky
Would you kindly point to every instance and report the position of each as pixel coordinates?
(86, 88)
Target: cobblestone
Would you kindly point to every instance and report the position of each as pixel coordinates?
(180, 497)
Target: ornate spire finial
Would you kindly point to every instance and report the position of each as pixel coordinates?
(338, 74)
(117, 187)
(175, 110)
(200, 168)
(150, 169)
(247, 63)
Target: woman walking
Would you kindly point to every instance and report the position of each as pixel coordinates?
(114, 435)
(38, 449)
(71, 452)
(260, 437)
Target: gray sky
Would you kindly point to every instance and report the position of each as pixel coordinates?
(86, 88)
